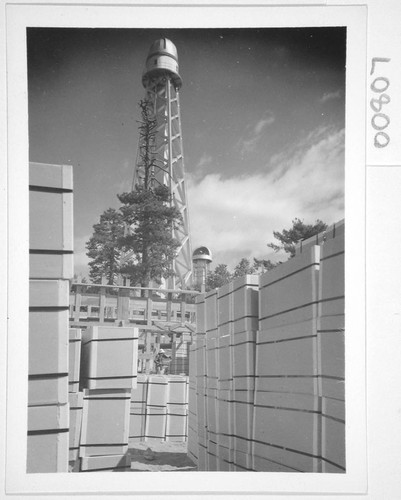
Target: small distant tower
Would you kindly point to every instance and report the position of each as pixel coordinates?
(201, 258)
(162, 82)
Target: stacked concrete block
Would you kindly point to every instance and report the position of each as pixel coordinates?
(156, 408)
(138, 409)
(330, 340)
(105, 428)
(47, 447)
(50, 269)
(76, 408)
(201, 400)
(177, 409)
(109, 357)
(50, 222)
(48, 376)
(192, 406)
(75, 338)
(286, 367)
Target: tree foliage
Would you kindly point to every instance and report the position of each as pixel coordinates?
(298, 232)
(149, 242)
(219, 277)
(103, 247)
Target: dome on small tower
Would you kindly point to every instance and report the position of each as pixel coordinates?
(202, 253)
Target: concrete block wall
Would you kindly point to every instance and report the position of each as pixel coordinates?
(159, 409)
(268, 388)
(51, 268)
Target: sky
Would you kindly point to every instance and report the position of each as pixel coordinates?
(262, 114)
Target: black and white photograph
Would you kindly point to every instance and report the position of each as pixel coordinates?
(198, 175)
(193, 249)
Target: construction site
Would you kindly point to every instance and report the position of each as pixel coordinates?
(248, 376)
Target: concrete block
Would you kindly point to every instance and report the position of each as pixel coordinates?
(288, 331)
(48, 342)
(225, 307)
(293, 429)
(76, 407)
(51, 266)
(192, 404)
(200, 313)
(156, 418)
(225, 462)
(243, 355)
(225, 414)
(137, 423)
(47, 452)
(212, 456)
(120, 462)
(332, 278)
(109, 357)
(48, 418)
(50, 176)
(245, 303)
(279, 461)
(225, 363)
(200, 355)
(177, 423)
(242, 461)
(243, 411)
(202, 458)
(290, 384)
(47, 389)
(51, 221)
(212, 363)
(105, 422)
(212, 418)
(74, 352)
(290, 289)
(296, 357)
(139, 394)
(49, 293)
(211, 310)
(332, 354)
(157, 390)
(333, 435)
(177, 389)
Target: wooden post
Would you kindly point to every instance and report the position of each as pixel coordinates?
(102, 300)
(149, 306)
(168, 305)
(183, 308)
(148, 350)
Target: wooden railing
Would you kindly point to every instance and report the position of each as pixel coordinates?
(94, 304)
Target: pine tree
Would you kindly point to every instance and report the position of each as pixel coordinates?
(103, 247)
(299, 231)
(149, 242)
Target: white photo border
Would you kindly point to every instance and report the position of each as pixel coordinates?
(162, 15)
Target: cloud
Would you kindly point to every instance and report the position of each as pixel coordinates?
(329, 96)
(254, 132)
(236, 217)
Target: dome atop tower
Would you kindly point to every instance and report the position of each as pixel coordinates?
(202, 253)
(162, 59)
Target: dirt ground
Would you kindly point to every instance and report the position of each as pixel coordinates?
(160, 456)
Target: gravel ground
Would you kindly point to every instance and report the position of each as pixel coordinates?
(160, 456)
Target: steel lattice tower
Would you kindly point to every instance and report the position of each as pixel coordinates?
(162, 82)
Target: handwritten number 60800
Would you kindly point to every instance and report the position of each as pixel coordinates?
(380, 120)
